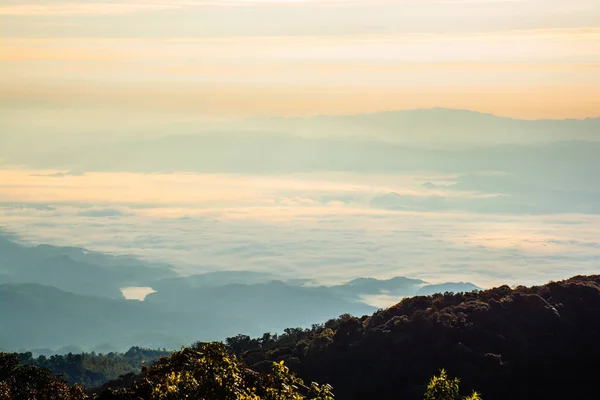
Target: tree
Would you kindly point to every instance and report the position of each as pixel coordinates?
(25, 382)
(444, 388)
(208, 371)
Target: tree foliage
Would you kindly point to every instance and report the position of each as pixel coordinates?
(208, 371)
(442, 387)
(205, 371)
(27, 382)
(501, 341)
(91, 369)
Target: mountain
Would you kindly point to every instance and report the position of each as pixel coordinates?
(434, 125)
(269, 306)
(453, 287)
(180, 290)
(358, 290)
(455, 141)
(44, 316)
(213, 279)
(46, 290)
(47, 317)
(75, 270)
(398, 285)
(525, 343)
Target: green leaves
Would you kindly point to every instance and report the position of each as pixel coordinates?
(205, 371)
(25, 382)
(442, 387)
(208, 371)
(473, 396)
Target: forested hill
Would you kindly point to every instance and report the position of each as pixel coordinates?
(506, 343)
(523, 343)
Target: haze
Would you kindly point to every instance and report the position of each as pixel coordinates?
(320, 140)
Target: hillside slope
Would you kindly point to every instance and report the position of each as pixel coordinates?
(523, 343)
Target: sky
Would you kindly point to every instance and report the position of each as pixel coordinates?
(223, 134)
(178, 60)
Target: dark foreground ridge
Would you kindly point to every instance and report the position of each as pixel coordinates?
(507, 343)
(524, 343)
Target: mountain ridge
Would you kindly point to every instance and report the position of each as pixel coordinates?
(503, 342)
(49, 288)
(464, 111)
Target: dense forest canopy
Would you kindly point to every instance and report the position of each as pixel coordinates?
(505, 342)
(205, 371)
(91, 369)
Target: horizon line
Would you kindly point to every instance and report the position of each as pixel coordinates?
(400, 110)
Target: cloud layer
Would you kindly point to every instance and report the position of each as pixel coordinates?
(308, 227)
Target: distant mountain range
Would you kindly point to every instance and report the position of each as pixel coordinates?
(394, 140)
(76, 270)
(431, 125)
(46, 290)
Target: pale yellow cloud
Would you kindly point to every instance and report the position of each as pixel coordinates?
(201, 190)
(141, 6)
(251, 59)
(530, 74)
(91, 8)
(33, 186)
(320, 47)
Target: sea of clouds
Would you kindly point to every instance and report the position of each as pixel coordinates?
(328, 228)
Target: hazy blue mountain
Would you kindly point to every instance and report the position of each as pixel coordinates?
(213, 279)
(75, 270)
(43, 317)
(454, 287)
(430, 139)
(370, 285)
(171, 291)
(272, 306)
(46, 290)
(46, 317)
(355, 289)
(432, 125)
(283, 153)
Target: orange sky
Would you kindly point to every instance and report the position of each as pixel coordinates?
(527, 59)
